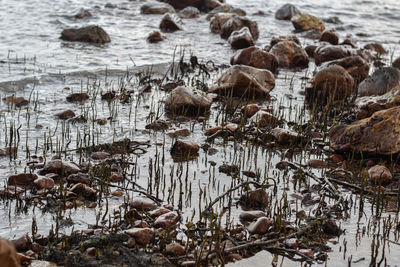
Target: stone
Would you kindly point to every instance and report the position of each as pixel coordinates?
(155, 37)
(44, 183)
(156, 8)
(8, 255)
(255, 57)
(23, 179)
(60, 167)
(170, 23)
(189, 12)
(240, 80)
(131, 242)
(167, 220)
(65, 115)
(23, 243)
(306, 22)
(260, 226)
(241, 38)
(78, 178)
(330, 84)
(263, 119)
(329, 36)
(277, 39)
(356, 66)
(379, 175)
(142, 236)
(378, 48)
(396, 63)
(250, 109)
(116, 177)
(11, 191)
(157, 212)
(236, 23)
(332, 52)
(89, 34)
(17, 101)
(286, 137)
(143, 203)
(178, 133)
(100, 155)
(286, 12)
(84, 191)
(316, 163)
(225, 8)
(175, 249)
(211, 4)
(251, 215)
(380, 82)
(376, 135)
(330, 227)
(255, 199)
(184, 100)
(310, 49)
(77, 97)
(290, 55)
(219, 20)
(83, 13)
(185, 150)
(7, 151)
(158, 125)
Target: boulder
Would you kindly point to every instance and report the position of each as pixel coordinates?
(167, 220)
(187, 101)
(356, 66)
(332, 52)
(100, 155)
(142, 236)
(329, 36)
(156, 8)
(237, 23)
(378, 134)
(380, 82)
(306, 22)
(143, 203)
(290, 55)
(22, 179)
(310, 49)
(255, 57)
(171, 23)
(178, 133)
(329, 84)
(286, 12)
(240, 80)
(158, 212)
(379, 175)
(250, 109)
(263, 119)
(60, 167)
(255, 199)
(260, 226)
(189, 12)
(219, 20)
(241, 39)
(90, 34)
(184, 150)
(8, 254)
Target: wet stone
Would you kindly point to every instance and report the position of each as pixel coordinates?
(329, 36)
(225, 8)
(286, 137)
(143, 203)
(316, 163)
(154, 7)
(250, 109)
(219, 20)
(170, 23)
(17, 101)
(44, 183)
(356, 66)
(23, 243)
(380, 82)
(157, 212)
(60, 167)
(290, 55)
(99, 155)
(255, 57)
(189, 13)
(7, 151)
(241, 39)
(22, 179)
(175, 249)
(84, 191)
(8, 255)
(306, 22)
(77, 97)
(155, 37)
(178, 133)
(184, 100)
(264, 119)
(237, 23)
(379, 174)
(255, 199)
(332, 52)
(66, 114)
(251, 215)
(158, 125)
(260, 226)
(167, 220)
(181, 4)
(84, 13)
(91, 34)
(185, 150)
(378, 48)
(79, 178)
(142, 236)
(286, 12)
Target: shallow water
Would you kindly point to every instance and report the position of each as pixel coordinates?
(36, 64)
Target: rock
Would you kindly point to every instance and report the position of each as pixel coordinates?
(184, 100)
(23, 243)
(380, 82)
(167, 220)
(251, 215)
(290, 55)
(44, 183)
(306, 22)
(143, 203)
(178, 133)
(8, 255)
(11, 191)
(330, 84)
(116, 177)
(65, 115)
(181, 4)
(225, 8)
(263, 119)
(157, 212)
(291, 243)
(156, 8)
(158, 125)
(211, 4)
(260, 226)
(379, 175)
(237, 23)
(228, 169)
(100, 155)
(250, 109)
(170, 23)
(90, 34)
(38, 263)
(286, 12)
(277, 39)
(240, 80)
(78, 178)
(377, 134)
(21, 179)
(286, 137)
(7, 151)
(184, 150)
(241, 39)
(60, 167)
(396, 63)
(255, 199)
(332, 52)
(131, 242)
(83, 13)
(77, 97)
(329, 36)
(378, 48)
(189, 12)
(330, 227)
(175, 249)
(310, 49)
(84, 191)
(143, 236)
(356, 66)
(255, 57)
(315, 163)
(17, 101)
(155, 37)
(219, 20)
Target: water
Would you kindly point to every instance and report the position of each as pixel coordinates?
(35, 63)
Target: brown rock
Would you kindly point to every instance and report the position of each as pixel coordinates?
(378, 48)
(263, 119)
(236, 23)
(90, 34)
(143, 203)
(316, 163)
(116, 177)
(379, 175)
(178, 133)
(79, 178)
(184, 150)
(310, 49)
(167, 220)
(286, 137)
(91, 252)
(255, 199)
(187, 101)
(251, 215)
(290, 55)
(170, 23)
(380, 82)
(60, 167)
(158, 125)
(23, 243)
(157, 212)
(306, 22)
(189, 12)
(250, 109)
(396, 63)
(332, 52)
(21, 179)
(329, 36)
(240, 80)
(131, 242)
(377, 134)
(156, 8)
(83, 14)
(241, 38)
(84, 191)
(65, 115)
(77, 97)
(140, 224)
(8, 255)
(44, 183)
(155, 37)
(356, 66)
(17, 101)
(143, 236)
(100, 155)
(11, 191)
(255, 57)
(175, 249)
(219, 20)
(260, 226)
(225, 8)
(277, 39)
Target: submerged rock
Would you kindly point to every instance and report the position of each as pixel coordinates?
(237, 23)
(356, 66)
(241, 39)
(250, 109)
(181, 4)
(255, 57)
(184, 100)
(255, 199)
(396, 63)
(378, 134)
(83, 13)
(260, 226)
(225, 8)
(240, 80)
(170, 23)
(329, 36)
(156, 8)
(380, 82)
(184, 150)
(286, 12)
(155, 37)
(378, 48)
(306, 22)
(290, 55)
(379, 174)
(90, 34)
(277, 39)
(17, 101)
